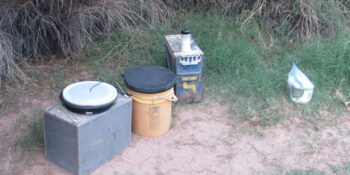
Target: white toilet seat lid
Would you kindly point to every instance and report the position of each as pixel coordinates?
(90, 93)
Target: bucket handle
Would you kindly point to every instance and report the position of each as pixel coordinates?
(173, 98)
(122, 91)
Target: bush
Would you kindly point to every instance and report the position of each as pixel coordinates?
(33, 30)
(299, 17)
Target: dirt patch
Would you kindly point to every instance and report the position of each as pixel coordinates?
(209, 140)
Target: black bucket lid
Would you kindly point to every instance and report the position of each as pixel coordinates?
(186, 31)
(149, 79)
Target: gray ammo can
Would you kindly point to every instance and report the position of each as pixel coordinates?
(80, 143)
(188, 67)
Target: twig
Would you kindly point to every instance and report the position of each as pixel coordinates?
(252, 14)
(258, 151)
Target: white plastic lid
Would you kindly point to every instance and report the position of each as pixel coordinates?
(90, 93)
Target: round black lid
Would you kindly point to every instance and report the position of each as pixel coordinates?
(149, 79)
(185, 31)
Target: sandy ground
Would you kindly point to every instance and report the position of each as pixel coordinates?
(204, 139)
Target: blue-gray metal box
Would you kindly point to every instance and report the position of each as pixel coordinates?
(81, 143)
(188, 67)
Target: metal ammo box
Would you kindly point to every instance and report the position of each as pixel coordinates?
(81, 143)
(188, 67)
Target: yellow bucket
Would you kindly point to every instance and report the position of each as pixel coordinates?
(151, 112)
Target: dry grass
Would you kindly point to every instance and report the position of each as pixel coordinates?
(299, 17)
(8, 67)
(33, 30)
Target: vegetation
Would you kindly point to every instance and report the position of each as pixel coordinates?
(305, 172)
(34, 139)
(291, 17)
(341, 170)
(246, 67)
(33, 30)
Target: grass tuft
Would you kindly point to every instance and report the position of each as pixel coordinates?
(34, 139)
